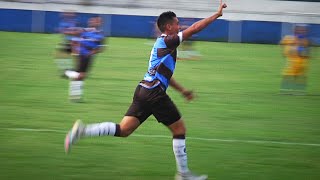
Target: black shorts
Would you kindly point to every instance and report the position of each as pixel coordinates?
(153, 101)
(84, 63)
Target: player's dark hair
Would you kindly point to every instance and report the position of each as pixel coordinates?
(164, 19)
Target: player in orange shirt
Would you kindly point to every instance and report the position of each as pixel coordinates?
(296, 51)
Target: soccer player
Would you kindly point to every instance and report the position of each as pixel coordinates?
(90, 43)
(296, 50)
(150, 97)
(67, 27)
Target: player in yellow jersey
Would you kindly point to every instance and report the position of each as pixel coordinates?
(296, 51)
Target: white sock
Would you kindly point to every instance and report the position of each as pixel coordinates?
(179, 149)
(71, 74)
(75, 89)
(100, 129)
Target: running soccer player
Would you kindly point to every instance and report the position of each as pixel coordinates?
(90, 43)
(68, 28)
(296, 50)
(150, 97)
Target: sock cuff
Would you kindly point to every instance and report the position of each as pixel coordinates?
(118, 130)
(179, 136)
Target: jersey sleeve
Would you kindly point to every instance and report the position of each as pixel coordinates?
(173, 41)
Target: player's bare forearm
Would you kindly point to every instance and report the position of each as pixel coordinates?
(185, 92)
(95, 51)
(173, 83)
(73, 32)
(200, 25)
(203, 23)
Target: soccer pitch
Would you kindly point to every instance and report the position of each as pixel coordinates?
(239, 127)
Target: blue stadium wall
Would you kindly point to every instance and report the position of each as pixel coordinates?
(142, 26)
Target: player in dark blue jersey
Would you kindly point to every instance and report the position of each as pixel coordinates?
(90, 42)
(150, 97)
(68, 28)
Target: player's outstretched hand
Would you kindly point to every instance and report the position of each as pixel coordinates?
(221, 7)
(189, 95)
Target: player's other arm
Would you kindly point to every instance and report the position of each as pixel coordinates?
(185, 92)
(203, 23)
(96, 50)
(73, 31)
(103, 45)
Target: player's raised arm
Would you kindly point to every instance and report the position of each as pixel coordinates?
(203, 23)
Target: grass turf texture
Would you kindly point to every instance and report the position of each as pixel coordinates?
(237, 89)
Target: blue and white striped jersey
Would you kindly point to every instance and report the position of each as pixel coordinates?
(162, 61)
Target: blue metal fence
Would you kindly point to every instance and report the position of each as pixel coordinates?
(142, 26)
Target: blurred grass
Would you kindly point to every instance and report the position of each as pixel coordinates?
(237, 99)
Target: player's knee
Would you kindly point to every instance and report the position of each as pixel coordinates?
(178, 128)
(181, 130)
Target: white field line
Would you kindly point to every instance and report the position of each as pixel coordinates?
(189, 138)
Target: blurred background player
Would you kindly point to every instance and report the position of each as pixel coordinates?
(68, 28)
(150, 97)
(296, 50)
(186, 50)
(155, 30)
(90, 42)
(155, 33)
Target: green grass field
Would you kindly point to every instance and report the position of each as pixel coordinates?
(239, 127)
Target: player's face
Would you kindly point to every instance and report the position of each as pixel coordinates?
(94, 22)
(174, 26)
(98, 21)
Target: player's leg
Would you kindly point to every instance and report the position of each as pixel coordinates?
(167, 113)
(286, 84)
(75, 84)
(77, 78)
(301, 79)
(80, 130)
(137, 113)
(178, 130)
(63, 57)
(126, 127)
